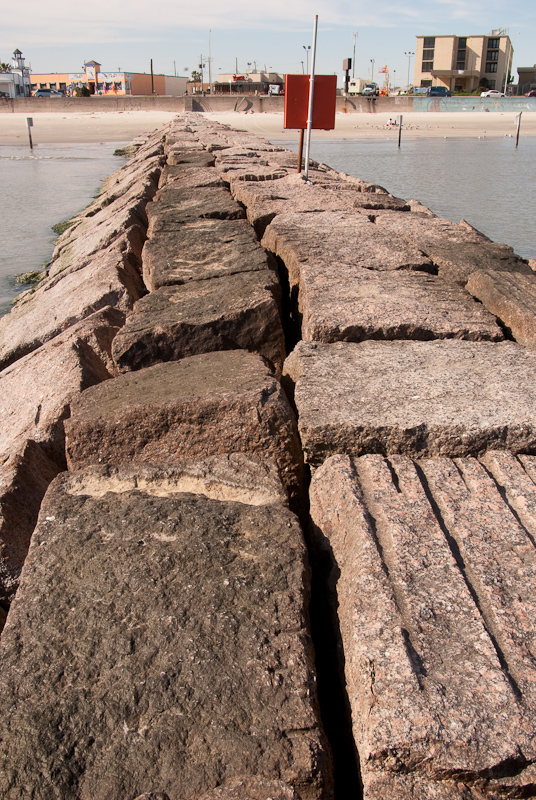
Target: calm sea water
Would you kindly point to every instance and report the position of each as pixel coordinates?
(487, 182)
(39, 189)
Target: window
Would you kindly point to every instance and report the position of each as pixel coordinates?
(42, 86)
(492, 55)
(494, 44)
(33, 86)
(427, 66)
(491, 84)
(426, 83)
(429, 41)
(63, 87)
(462, 43)
(52, 85)
(428, 55)
(490, 67)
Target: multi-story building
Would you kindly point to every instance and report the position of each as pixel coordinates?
(463, 63)
(98, 82)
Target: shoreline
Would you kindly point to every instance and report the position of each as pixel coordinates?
(121, 126)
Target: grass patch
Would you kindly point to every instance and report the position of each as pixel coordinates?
(30, 278)
(60, 227)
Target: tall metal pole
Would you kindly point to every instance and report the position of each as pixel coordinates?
(409, 54)
(353, 62)
(311, 98)
(209, 64)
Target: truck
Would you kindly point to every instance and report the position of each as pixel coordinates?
(356, 85)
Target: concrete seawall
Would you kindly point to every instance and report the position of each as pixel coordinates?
(259, 104)
(267, 493)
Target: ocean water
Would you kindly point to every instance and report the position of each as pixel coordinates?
(40, 188)
(487, 182)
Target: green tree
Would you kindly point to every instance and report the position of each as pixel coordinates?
(196, 76)
(4, 67)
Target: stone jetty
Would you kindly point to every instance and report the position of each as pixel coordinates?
(267, 493)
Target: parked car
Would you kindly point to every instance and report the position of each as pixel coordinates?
(47, 93)
(492, 93)
(371, 89)
(438, 91)
(532, 93)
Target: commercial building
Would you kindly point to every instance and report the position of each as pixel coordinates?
(16, 82)
(526, 79)
(248, 83)
(120, 83)
(463, 63)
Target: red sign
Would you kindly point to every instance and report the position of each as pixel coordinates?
(297, 101)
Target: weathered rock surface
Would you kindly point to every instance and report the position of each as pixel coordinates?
(291, 193)
(190, 176)
(109, 279)
(158, 644)
(173, 206)
(24, 478)
(345, 238)
(208, 404)
(416, 398)
(35, 397)
(229, 313)
(235, 477)
(251, 788)
(456, 250)
(200, 250)
(36, 391)
(341, 303)
(433, 573)
(122, 223)
(511, 297)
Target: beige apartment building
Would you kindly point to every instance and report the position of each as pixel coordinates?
(460, 63)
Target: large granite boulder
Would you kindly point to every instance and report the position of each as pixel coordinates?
(25, 475)
(442, 397)
(175, 205)
(329, 238)
(342, 303)
(431, 578)
(229, 313)
(208, 404)
(109, 279)
(158, 643)
(35, 398)
(456, 250)
(200, 250)
(511, 297)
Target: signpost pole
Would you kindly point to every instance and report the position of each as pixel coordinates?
(311, 98)
(518, 128)
(399, 130)
(29, 122)
(300, 150)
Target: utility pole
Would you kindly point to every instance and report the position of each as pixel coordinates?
(209, 64)
(372, 71)
(353, 62)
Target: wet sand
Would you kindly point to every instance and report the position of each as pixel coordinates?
(122, 126)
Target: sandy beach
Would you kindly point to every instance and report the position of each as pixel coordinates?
(122, 126)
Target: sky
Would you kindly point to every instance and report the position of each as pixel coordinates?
(60, 35)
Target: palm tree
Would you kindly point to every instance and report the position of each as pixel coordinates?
(5, 67)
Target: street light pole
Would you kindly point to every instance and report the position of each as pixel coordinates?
(372, 71)
(307, 55)
(353, 62)
(409, 54)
